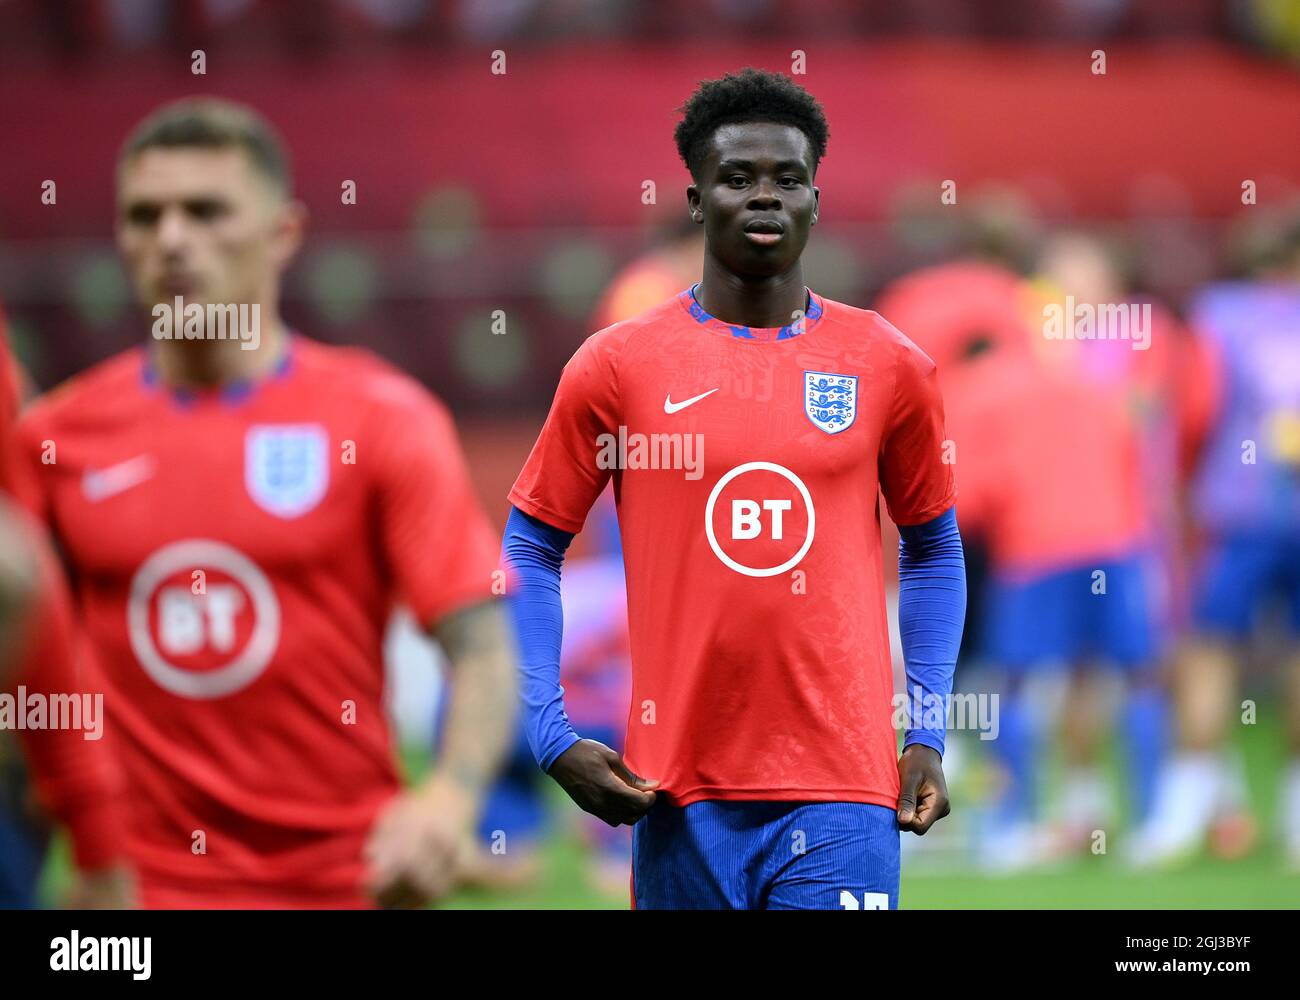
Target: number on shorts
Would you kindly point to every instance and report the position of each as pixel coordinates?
(870, 900)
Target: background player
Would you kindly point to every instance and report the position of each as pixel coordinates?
(239, 523)
(762, 685)
(1246, 505)
(1050, 474)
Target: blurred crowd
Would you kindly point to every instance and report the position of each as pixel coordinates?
(81, 28)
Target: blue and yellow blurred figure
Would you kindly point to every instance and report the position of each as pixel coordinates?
(1246, 507)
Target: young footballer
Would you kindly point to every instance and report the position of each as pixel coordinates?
(749, 426)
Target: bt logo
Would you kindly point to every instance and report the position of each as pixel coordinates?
(186, 623)
(208, 643)
(759, 518)
(746, 521)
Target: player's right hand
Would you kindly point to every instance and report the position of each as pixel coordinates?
(596, 778)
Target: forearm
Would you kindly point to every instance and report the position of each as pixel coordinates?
(931, 613)
(480, 721)
(535, 552)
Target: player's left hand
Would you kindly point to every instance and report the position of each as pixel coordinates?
(414, 848)
(923, 792)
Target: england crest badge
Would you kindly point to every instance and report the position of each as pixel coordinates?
(286, 467)
(830, 400)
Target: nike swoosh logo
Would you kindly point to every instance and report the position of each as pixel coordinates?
(671, 407)
(100, 484)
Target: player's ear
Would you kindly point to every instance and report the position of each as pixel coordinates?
(693, 203)
(817, 204)
(290, 226)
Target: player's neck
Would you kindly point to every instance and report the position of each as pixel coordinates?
(756, 302)
(212, 364)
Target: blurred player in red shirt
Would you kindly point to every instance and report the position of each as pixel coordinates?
(45, 667)
(657, 275)
(240, 508)
(1051, 478)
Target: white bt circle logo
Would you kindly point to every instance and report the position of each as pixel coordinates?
(754, 515)
(203, 619)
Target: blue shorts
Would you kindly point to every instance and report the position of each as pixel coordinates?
(1240, 576)
(717, 855)
(1057, 618)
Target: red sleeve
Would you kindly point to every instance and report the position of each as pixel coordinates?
(564, 473)
(915, 472)
(76, 778)
(438, 542)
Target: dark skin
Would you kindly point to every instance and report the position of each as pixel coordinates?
(754, 173)
(754, 194)
(596, 778)
(922, 790)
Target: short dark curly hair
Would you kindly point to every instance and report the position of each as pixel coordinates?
(751, 95)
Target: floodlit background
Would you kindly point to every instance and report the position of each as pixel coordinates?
(552, 193)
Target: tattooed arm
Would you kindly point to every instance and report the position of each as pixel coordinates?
(480, 725)
(417, 842)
